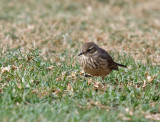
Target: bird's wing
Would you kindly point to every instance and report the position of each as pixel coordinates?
(104, 55)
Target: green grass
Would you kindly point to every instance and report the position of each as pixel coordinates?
(41, 80)
(35, 99)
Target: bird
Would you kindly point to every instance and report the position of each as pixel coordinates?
(96, 61)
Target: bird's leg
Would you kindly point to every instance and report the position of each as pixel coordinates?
(86, 75)
(103, 78)
(103, 82)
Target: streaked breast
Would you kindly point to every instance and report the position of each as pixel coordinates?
(89, 62)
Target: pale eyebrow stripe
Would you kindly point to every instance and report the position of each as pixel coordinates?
(91, 47)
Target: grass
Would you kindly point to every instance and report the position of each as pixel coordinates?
(41, 80)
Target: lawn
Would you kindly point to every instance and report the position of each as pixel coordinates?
(40, 76)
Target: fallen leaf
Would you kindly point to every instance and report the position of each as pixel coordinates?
(57, 91)
(5, 69)
(14, 67)
(82, 72)
(129, 111)
(69, 87)
(144, 84)
(51, 67)
(124, 118)
(90, 81)
(59, 79)
(1, 89)
(100, 86)
(150, 79)
(146, 74)
(18, 85)
(20, 66)
(35, 91)
(73, 75)
(43, 93)
(155, 117)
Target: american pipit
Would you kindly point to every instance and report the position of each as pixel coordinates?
(96, 61)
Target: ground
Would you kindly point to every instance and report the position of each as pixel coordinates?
(41, 79)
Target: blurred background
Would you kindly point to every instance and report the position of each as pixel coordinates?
(58, 25)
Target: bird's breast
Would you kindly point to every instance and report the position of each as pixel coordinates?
(94, 66)
(88, 62)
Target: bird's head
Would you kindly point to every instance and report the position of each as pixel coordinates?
(88, 49)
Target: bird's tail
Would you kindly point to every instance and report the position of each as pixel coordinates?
(121, 65)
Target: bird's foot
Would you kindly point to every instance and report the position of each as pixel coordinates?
(86, 75)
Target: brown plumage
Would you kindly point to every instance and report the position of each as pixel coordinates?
(96, 61)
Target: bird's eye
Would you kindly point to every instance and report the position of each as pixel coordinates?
(88, 50)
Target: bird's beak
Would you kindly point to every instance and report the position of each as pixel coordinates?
(80, 54)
